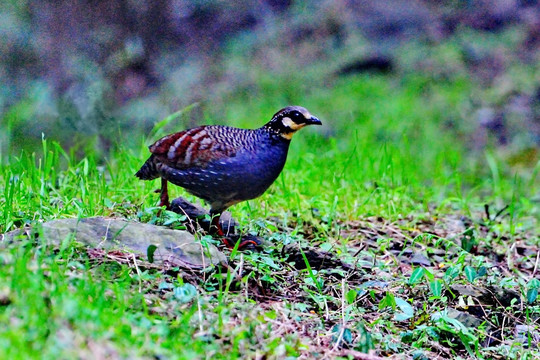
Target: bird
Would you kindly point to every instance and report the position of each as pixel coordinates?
(225, 165)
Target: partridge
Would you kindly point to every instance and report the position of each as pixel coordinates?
(225, 165)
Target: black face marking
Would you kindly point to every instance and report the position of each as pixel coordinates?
(294, 116)
(290, 119)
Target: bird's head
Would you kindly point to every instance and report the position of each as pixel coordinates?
(289, 120)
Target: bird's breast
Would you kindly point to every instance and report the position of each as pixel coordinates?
(244, 176)
(253, 169)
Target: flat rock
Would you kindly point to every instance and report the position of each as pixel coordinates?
(174, 247)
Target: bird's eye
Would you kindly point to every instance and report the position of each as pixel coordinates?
(296, 115)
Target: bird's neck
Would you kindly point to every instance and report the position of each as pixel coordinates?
(277, 129)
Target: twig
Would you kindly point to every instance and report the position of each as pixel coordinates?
(203, 258)
(190, 221)
(138, 272)
(105, 236)
(360, 355)
(200, 312)
(342, 330)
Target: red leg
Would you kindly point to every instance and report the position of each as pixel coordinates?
(164, 196)
(215, 228)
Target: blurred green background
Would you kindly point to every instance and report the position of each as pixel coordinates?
(90, 73)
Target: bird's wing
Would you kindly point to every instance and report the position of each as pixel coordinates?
(197, 146)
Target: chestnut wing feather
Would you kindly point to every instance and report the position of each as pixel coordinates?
(194, 147)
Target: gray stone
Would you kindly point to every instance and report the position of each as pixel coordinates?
(174, 247)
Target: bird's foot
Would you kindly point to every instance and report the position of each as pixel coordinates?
(247, 242)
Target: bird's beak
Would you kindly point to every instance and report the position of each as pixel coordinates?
(313, 121)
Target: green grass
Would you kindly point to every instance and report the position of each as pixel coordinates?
(386, 150)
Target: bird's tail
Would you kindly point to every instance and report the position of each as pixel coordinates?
(149, 170)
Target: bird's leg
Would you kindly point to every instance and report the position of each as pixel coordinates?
(215, 226)
(164, 195)
(229, 241)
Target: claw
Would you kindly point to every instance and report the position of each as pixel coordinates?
(249, 242)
